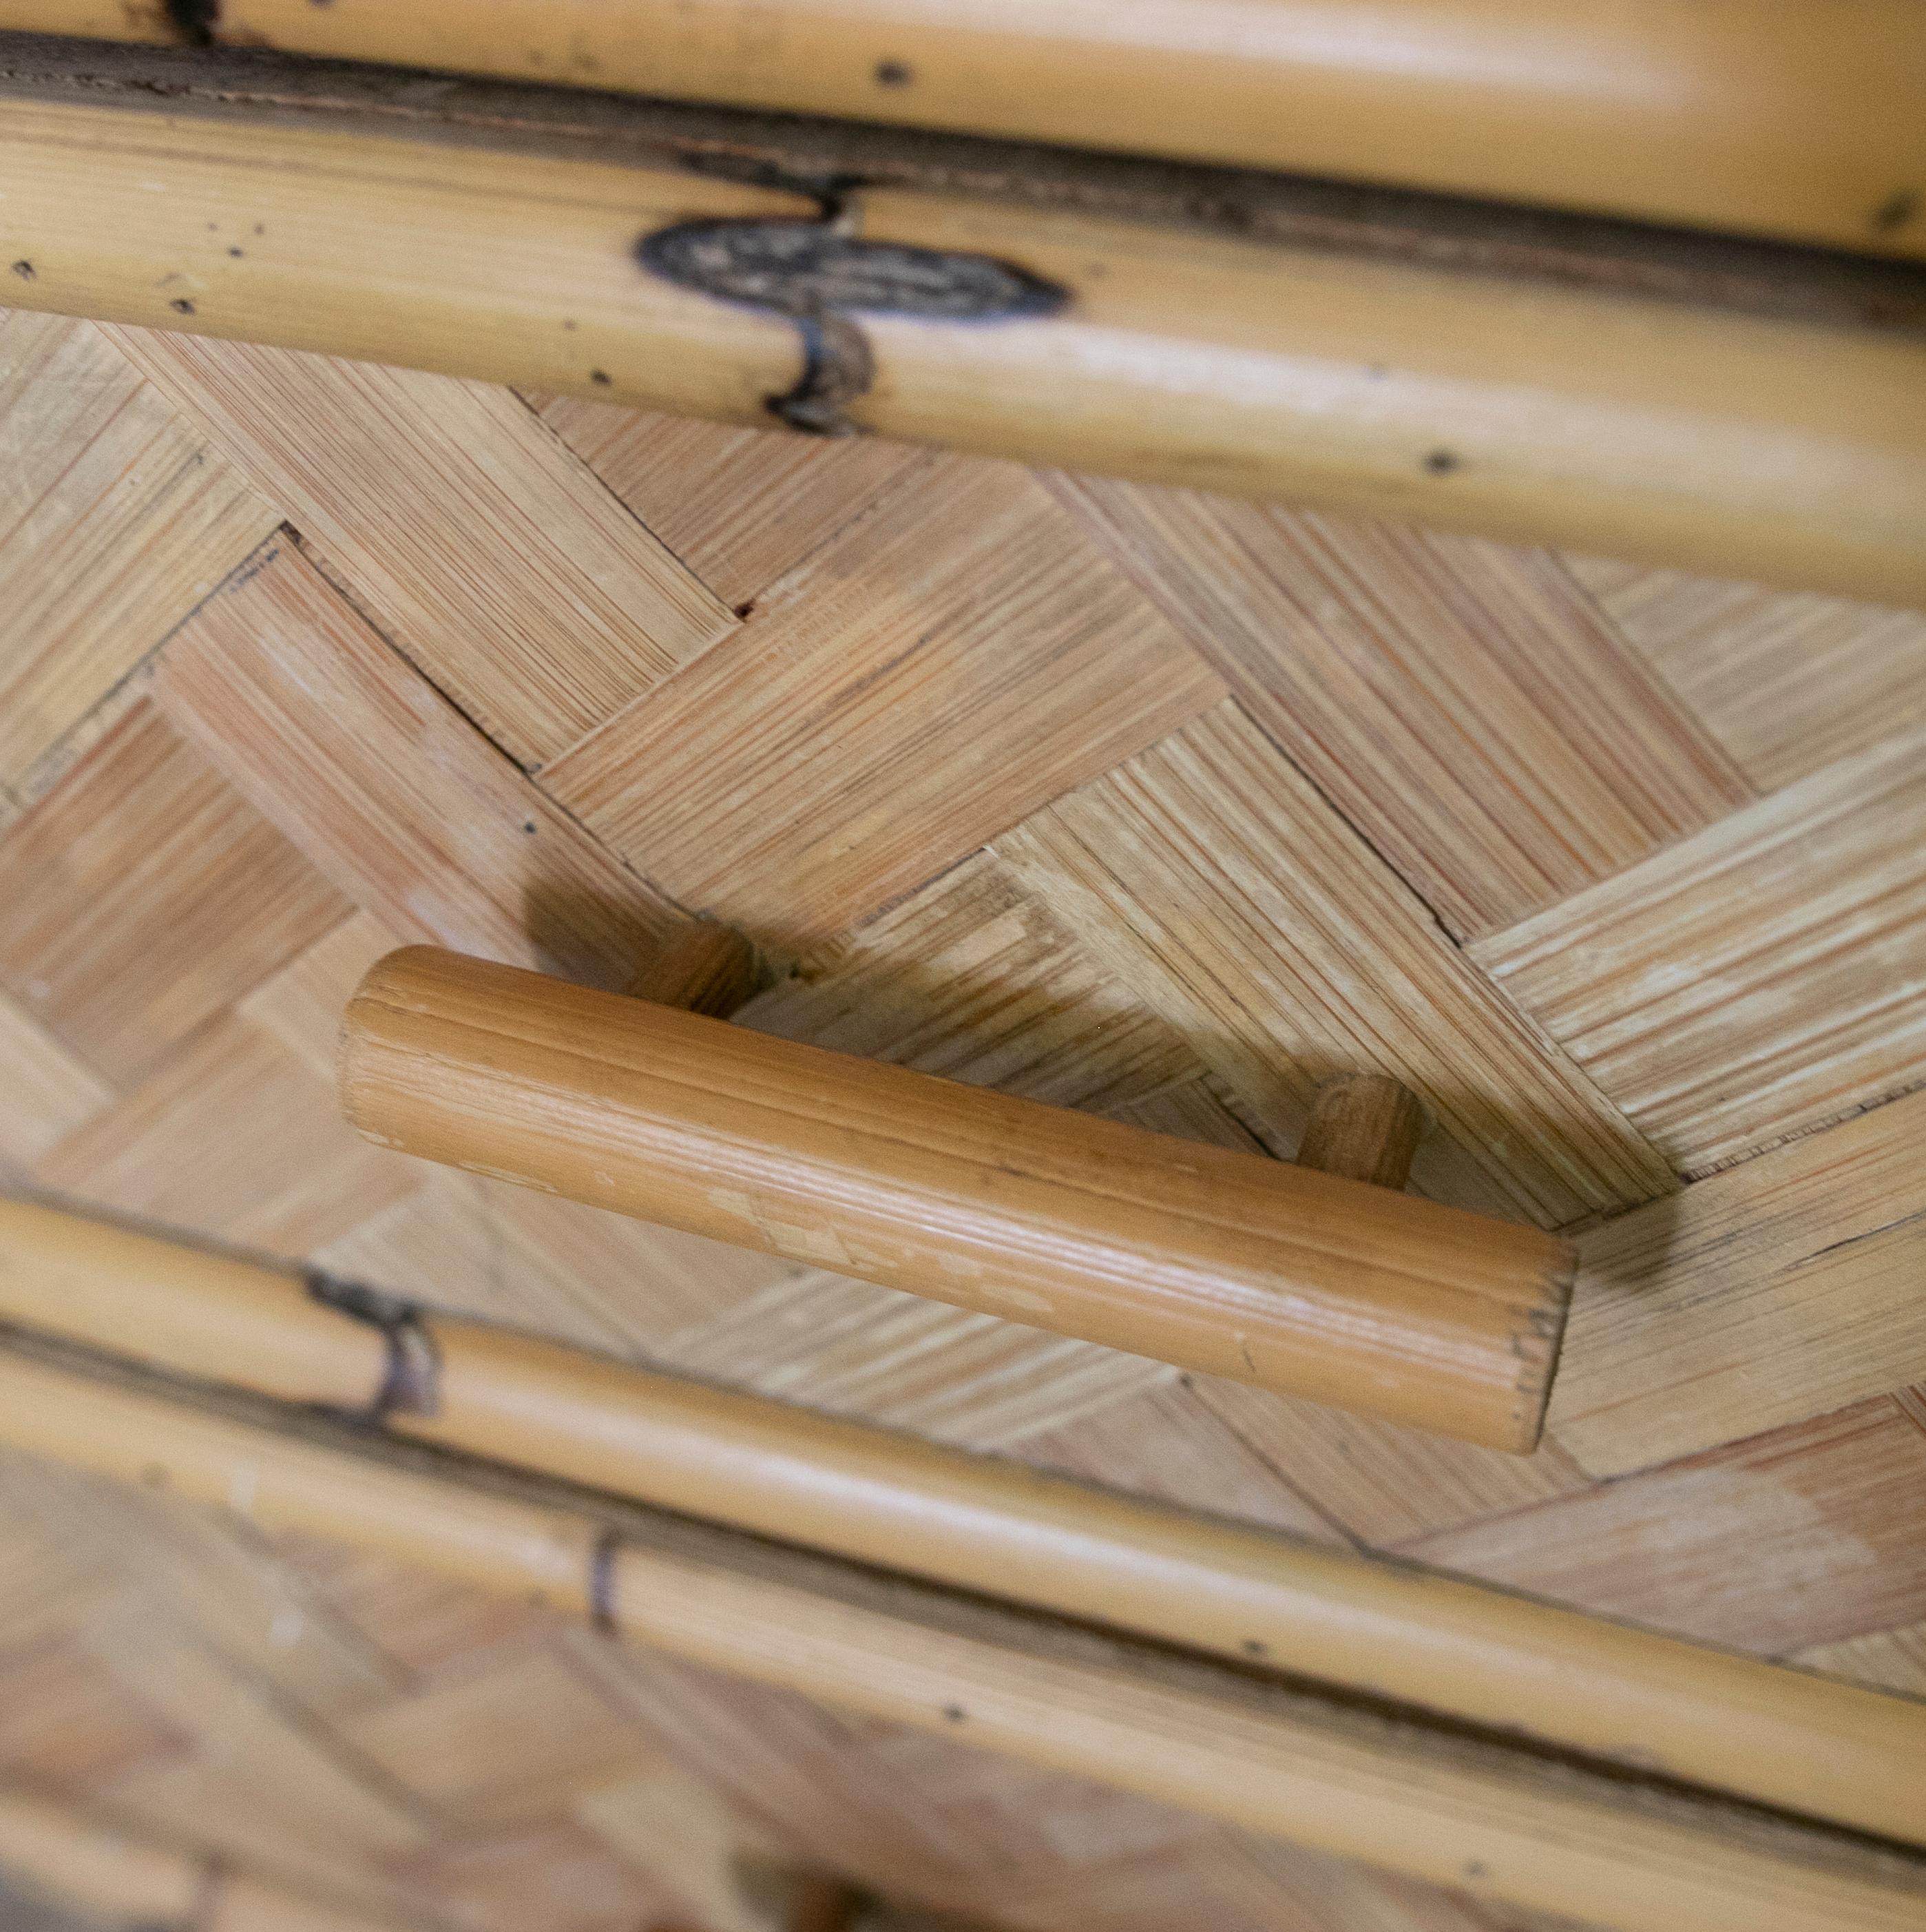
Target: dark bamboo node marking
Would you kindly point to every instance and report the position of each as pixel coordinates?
(819, 275)
(602, 1584)
(411, 1383)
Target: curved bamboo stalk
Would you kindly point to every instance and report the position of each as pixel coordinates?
(1204, 1736)
(1215, 1260)
(1780, 1737)
(1778, 116)
(1788, 446)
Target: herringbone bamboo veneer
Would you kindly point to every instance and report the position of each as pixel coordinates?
(1122, 798)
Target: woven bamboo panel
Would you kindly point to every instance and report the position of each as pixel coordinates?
(1131, 800)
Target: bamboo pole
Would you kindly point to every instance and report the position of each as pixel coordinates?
(1779, 1737)
(1212, 1259)
(1779, 116)
(1204, 1736)
(1786, 447)
(91, 1864)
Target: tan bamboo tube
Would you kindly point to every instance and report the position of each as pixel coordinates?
(1782, 116)
(1446, 1809)
(93, 1865)
(1212, 1259)
(1780, 1737)
(1788, 448)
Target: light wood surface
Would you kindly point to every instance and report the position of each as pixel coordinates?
(1788, 447)
(96, 1866)
(1196, 1734)
(1515, 1667)
(1790, 118)
(1202, 1257)
(1671, 982)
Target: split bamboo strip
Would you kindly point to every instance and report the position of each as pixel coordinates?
(92, 1865)
(1782, 1738)
(1210, 1258)
(1201, 1736)
(1788, 118)
(1788, 448)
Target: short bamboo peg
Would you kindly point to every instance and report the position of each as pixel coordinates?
(702, 968)
(1364, 1126)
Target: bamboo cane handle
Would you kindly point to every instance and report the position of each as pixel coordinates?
(1201, 1256)
(1364, 1126)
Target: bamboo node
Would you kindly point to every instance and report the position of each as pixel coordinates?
(602, 1585)
(411, 1382)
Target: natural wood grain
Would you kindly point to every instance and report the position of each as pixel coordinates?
(1789, 448)
(1183, 1252)
(1788, 1286)
(1660, 112)
(93, 1865)
(1164, 1445)
(64, 1727)
(1261, 1756)
(116, 519)
(302, 1005)
(1786, 683)
(741, 507)
(1884, 1660)
(292, 1769)
(875, 1353)
(554, 609)
(1381, 1484)
(701, 967)
(143, 894)
(971, 659)
(1764, 976)
(729, 1865)
(1461, 703)
(1365, 1126)
(1212, 879)
(512, 1746)
(50, 1090)
(388, 791)
(1805, 1535)
(233, 1133)
(209, 1572)
(973, 978)
(579, 1274)
(558, 1875)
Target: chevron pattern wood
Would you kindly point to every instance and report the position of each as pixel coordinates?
(1125, 799)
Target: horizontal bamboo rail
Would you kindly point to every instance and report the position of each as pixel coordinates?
(1212, 1259)
(91, 1865)
(1481, 1656)
(1626, 409)
(1785, 117)
(1205, 1736)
